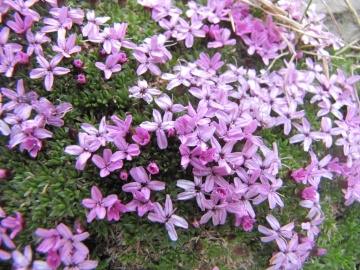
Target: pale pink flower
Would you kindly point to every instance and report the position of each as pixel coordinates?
(48, 70)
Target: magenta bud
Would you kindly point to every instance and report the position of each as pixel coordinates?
(299, 55)
(153, 168)
(171, 132)
(122, 58)
(309, 193)
(320, 251)
(196, 223)
(78, 226)
(81, 79)
(78, 63)
(24, 58)
(206, 29)
(123, 175)
(102, 53)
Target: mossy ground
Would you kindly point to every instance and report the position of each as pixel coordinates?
(48, 190)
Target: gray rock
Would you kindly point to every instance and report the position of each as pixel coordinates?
(349, 27)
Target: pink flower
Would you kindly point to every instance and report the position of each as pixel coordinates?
(96, 204)
(3, 173)
(167, 217)
(20, 25)
(15, 224)
(126, 150)
(247, 223)
(53, 259)
(111, 65)
(52, 241)
(142, 181)
(142, 136)
(123, 175)
(114, 208)
(92, 27)
(152, 168)
(277, 232)
(48, 70)
(108, 163)
(66, 47)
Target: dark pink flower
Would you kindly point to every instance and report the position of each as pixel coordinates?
(97, 204)
(23, 57)
(122, 57)
(309, 193)
(123, 175)
(142, 136)
(81, 79)
(78, 63)
(53, 259)
(153, 168)
(247, 223)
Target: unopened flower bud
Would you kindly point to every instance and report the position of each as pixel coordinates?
(79, 227)
(171, 132)
(24, 58)
(122, 58)
(153, 168)
(298, 175)
(102, 53)
(222, 192)
(73, 133)
(81, 79)
(123, 175)
(78, 63)
(299, 55)
(309, 193)
(196, 223)
(5, 174)
(319, 252)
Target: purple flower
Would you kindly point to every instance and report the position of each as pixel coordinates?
(141, 202)
(97, 204)
(159, 126)
(126, 151)
(142, 136)
(35, 42)
(66, 47)
(108, 163)
(277, 231)
(222, 39)
(188, 32)
(58, 25)
(72, 246)
(167, 217)
(305, 135)
(48, 70)
(52, 241)
(216, 210)
(52, 115)
(20, 25)
(15, 224)
(111, 65)
(194, 189)
(92, 26)
(88, 144)
(210, 65)
(23, 8)
(4, 36)
(114, 208)
(142, 181)
(8, 62)
(143, 91)
(309, 193)
(18, 98)
(152, 168)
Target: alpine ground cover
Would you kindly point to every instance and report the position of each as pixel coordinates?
(160, 135)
